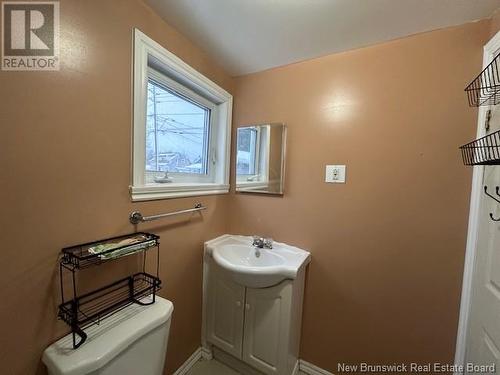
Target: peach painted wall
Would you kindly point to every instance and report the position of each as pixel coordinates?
(495, 23)
(65, 169)
(388, 246)
(385, 279)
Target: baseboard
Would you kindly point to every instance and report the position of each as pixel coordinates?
(310, 369)
(206, 354)
(190, 362)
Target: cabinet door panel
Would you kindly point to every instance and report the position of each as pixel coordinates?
(225, 321)
(267, 325)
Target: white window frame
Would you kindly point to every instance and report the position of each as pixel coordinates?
(149, 59)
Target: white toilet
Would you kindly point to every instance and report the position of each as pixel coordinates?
(132, 341)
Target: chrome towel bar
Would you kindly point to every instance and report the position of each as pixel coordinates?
(136, 217)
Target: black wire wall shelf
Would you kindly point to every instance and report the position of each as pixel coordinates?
(485, 88)
(482, 151)
(93, 253)
(91, 308)
(81, 311)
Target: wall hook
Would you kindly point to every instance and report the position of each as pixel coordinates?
(491, 196)
(492, 218)
(497, 190)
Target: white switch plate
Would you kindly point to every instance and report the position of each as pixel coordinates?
(335, 174)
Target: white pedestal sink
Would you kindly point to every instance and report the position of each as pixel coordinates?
(256, 268)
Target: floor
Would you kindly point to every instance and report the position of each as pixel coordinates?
(214, 367)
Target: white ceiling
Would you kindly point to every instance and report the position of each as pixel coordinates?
(246, 36)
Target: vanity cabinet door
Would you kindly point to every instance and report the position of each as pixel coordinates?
(267, 328)
(225, 313)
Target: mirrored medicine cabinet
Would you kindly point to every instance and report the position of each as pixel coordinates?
(260, 158)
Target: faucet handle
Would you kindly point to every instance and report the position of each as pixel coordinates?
(257, 241)
(268, 243)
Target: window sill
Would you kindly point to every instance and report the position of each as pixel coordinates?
(160, 191)
(252, 185)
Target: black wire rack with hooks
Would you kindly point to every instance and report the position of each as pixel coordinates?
(485, 88)
(482, 151)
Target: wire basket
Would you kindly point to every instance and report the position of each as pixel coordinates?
(92, 307)
(83, 256)
(482, 151)
(485, 88)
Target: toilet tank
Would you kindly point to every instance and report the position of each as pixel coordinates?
(130, 342)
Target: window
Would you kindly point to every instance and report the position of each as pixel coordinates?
(252, 155)
(178, 130)
(248, 151)
(182, 126)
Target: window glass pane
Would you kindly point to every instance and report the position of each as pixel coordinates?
(176, 132)
(247, 147)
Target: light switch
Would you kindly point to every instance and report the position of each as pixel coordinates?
(335, 174)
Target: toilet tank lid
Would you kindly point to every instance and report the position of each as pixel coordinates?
(106, 340)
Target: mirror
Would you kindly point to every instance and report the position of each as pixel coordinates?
(260, 159)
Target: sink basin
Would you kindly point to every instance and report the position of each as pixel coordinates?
(256, 268)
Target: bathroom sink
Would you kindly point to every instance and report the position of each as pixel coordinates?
(256, 268)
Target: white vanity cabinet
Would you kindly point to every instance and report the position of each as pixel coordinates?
(225, 304)
(257, 327)
(267, 328)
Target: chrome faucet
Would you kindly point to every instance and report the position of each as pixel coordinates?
(262, 243)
